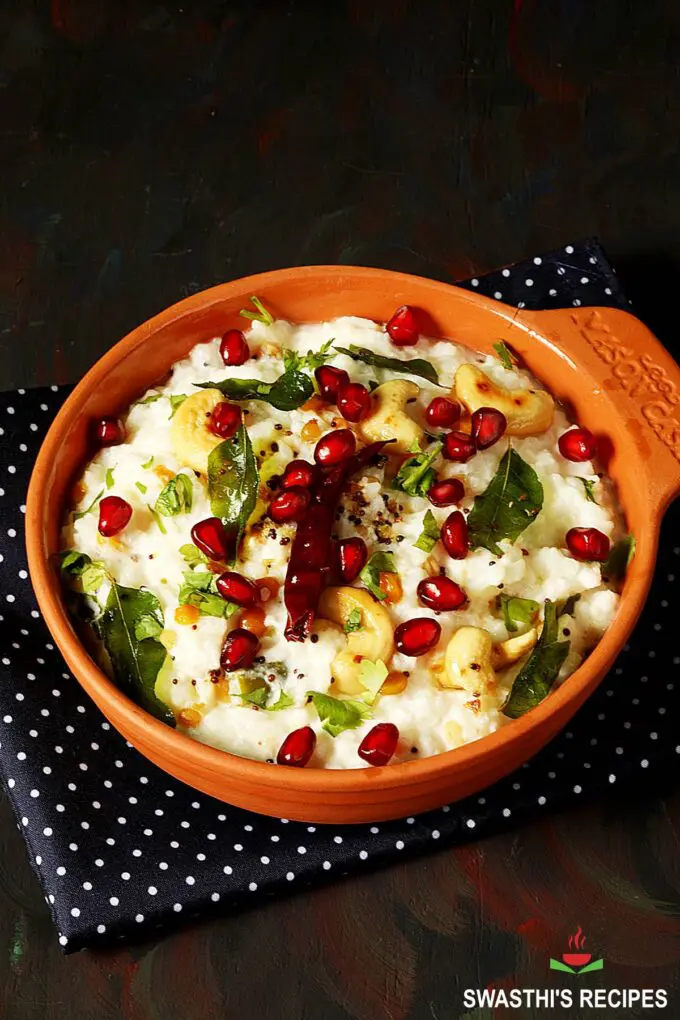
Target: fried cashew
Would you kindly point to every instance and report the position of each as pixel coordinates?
(388, 418)
(527, 412)
(373, 640)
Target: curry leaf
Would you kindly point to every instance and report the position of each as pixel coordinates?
(416, 475)
(125, 626)
(338, 715)
(259, 315)
(517, 612)
(429, 536)
(620, 558)
(233, 482)
(379, 563)
(412, 366)
(288, 392)
(538, 674)
(565, 607)
(508, 505)
(175, 497)
(158, 519)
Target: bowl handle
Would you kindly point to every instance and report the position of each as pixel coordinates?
(639, 375)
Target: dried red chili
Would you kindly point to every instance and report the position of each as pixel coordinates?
(311, 558)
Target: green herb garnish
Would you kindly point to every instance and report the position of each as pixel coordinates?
(158, 519)
(371, 677)
(429, 536)
(142, 488)
(538, 674)
(517, 612)
(200, 589)
(509, 504)
(78, 514)
(109, 478)
(589, 486)
(379, 563)
(259, 698)
(176, 497)
(148, 463)
(416, 475)
(192, 555)
(353, 622)
(309, 361)
(151, 399)
(338, 715)
(565, 607)
(505, 355)
(412, 366)
(176, 401)
(259, 315)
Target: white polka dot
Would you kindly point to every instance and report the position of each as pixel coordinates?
(190, 880)
(528, 282)
(114, 901)
(475, 282)
(61, 870)
(541, 800)
(569, 249)
(363, 855)
(139, 918)
(471, 823)
(399, 844)
(75, 912)
(227, 869)
(265, 860)
(101, 928)
(505, 272)
(252, 886)
(326, 865)
(498, 295)
(215, 897)
(87, 886)
(152, 890)
(63, 941)
(177, 907)
(537, 260)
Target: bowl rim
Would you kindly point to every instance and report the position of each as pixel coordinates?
(179, 746)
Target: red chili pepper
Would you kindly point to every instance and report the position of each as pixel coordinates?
(311, 557)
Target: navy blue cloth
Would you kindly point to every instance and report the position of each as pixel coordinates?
(121, 849)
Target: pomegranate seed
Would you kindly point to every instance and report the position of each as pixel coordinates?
(289, 505)
(442, 413)
(488, 425)
(417, 636)
(352, 556)
(239, 650)
(298, 473)
(234, 347)
(587, 544)
(402, 328)
(379, 744)
(335, 447)
(458, 446)
(577, 445)
(236, 588)
(354, 401)
(109, 432)
(225, 420)
(441, 593)
(212, 538)
(454, 535)
(446, 492)
(297, 748)
(330, 381)
(114, 515)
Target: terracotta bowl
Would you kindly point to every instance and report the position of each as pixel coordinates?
(603, 364)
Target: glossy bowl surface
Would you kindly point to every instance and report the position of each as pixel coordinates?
(603, 364)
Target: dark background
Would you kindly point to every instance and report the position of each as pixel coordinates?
(149, 150)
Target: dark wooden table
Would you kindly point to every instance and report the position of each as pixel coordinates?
(150, 150)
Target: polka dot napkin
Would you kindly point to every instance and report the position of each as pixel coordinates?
(121, 849)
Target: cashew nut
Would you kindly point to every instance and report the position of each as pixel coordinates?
(468, 660)
(388, 418)
(192, 441)
(528, 412)
(505, 653)
(375, 639)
